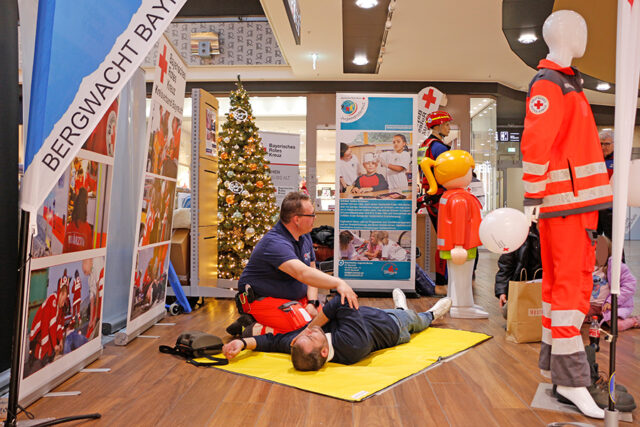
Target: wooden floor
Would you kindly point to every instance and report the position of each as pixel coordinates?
(492, 384)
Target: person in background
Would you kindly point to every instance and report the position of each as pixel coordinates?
(605, 216)
(522, 264)
(601, 295)
(439, 122)
(348, 167)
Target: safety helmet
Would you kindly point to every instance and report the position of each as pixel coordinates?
(437, 118)
(449, 165)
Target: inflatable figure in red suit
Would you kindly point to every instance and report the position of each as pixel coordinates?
(566, 183)
(459, 217)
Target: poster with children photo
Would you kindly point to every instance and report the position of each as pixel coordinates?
(376, 165)
(164, 142)
(74, 216)
(150, 279)
(157, 211)
(65, 305)
(374, 245)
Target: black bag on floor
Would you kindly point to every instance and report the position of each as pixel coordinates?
(196, 344)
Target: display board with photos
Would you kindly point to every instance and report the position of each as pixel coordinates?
(158, 184)
(375, 174)
(66, 277)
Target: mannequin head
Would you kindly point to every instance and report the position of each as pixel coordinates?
(565, 33)
(452, 169)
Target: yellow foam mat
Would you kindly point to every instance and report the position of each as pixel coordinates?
(365, 378)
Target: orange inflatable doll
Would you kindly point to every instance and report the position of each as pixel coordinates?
(459, 217)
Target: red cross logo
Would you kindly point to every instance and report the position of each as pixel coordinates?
(538, 104)
(505, 249)
(162, 63)
(429, 98)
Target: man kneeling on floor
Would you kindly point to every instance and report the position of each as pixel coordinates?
(344, 335)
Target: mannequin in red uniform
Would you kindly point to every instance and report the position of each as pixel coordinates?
(566, 183)
(459, 217)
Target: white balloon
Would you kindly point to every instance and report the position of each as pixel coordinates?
(504, 230)
(634, 179)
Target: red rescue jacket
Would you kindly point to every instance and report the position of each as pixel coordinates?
(564, 170)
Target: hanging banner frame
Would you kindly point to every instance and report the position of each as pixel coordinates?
(377, 203)
(157, 194)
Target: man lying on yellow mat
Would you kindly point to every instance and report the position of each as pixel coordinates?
(344, 335)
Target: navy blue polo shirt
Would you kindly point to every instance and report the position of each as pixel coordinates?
(275, 248)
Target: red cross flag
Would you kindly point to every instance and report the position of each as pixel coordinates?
(429, 100)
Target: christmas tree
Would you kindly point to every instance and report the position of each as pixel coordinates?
(246, 203)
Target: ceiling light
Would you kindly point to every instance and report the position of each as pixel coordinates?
(366, 4)
(314, 57)
(360, 60)
(527, 38)
(603, 86)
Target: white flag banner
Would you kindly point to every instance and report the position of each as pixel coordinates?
(627, 74)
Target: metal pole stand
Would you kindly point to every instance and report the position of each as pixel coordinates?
(611, 418)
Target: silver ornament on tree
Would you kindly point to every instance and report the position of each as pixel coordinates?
(240, 115)
(249, 232)
(235, 187)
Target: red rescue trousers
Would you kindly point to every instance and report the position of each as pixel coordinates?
(568, 258)
(266, 312)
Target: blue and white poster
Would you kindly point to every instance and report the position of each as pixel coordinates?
(375, 190)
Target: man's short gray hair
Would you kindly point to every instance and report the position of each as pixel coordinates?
(606, 134)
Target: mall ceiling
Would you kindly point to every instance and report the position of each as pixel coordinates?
(424, 43)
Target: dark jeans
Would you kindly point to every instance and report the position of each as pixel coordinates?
(409, 322)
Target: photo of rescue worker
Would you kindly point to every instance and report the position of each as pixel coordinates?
(103, 138)
(59, 314)
(164, 143)
(157, 211)
(150, 287)
(69, 220)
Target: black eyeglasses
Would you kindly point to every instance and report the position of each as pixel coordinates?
(311, 215)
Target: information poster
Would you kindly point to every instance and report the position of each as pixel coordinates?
(375, 221)
(283, 152)
(66, 280)
(155, 209)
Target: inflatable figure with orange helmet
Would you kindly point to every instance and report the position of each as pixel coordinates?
(459, 217)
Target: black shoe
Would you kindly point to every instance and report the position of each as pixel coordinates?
(235, 329)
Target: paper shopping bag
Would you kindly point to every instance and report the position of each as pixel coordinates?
(524, 311)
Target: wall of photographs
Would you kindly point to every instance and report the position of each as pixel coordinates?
(66, 278)
(155, 212)
(375, 224)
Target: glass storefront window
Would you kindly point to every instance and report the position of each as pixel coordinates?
(271, 113)
(483, 148)
(326, 167)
